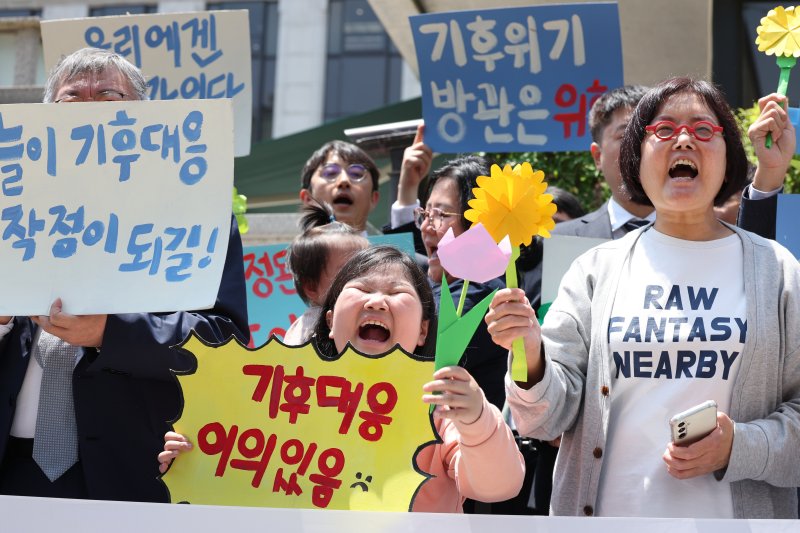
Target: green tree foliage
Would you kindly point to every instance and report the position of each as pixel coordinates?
(745, 117)
(576, 173)
(572, 171)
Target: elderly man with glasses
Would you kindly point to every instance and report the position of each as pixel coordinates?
(121, 393)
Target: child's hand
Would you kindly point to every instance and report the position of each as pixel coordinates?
(459, 396)
(174, 444)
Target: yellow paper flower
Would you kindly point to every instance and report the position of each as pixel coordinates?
(512, 202)
(779, 33)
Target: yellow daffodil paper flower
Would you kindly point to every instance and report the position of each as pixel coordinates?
(779, 33)
(512, 202)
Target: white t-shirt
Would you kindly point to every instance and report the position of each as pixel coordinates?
(677, 328)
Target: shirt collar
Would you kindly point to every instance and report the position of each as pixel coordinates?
(618, 215)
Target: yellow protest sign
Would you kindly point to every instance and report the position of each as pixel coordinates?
(280, 426)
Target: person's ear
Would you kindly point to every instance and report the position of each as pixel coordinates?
(423, 332)
(329, 321)
(376, 196)
(312, 293)
(597, 154)
(305, 196)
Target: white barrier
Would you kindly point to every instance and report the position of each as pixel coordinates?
(18, 515)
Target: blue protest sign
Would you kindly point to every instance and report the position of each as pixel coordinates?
(787, 221)
(515, 79)
(794, 118)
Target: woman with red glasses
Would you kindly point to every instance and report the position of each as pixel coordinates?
(679, 312)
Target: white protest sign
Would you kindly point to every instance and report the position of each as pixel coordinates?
(559, 253)
(114, 207)
(183, 55)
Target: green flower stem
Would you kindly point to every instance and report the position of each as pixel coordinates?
(463, 298)
(786, 64)
(519, 364)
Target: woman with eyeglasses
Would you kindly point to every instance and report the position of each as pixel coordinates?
(449, 190)
(679, 312)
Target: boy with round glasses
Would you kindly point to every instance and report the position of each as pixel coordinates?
(342, 175)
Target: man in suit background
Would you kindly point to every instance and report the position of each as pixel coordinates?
(607, 120)
(123, 394)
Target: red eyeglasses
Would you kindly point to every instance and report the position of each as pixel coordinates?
(701, 130)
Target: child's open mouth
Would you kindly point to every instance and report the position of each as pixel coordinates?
(374, 331)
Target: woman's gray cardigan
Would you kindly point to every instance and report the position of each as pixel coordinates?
(573, 397)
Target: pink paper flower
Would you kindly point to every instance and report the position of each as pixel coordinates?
(474, 255)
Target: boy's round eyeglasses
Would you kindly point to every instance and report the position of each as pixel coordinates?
(701, 130)
(435, 217)
(356, 172)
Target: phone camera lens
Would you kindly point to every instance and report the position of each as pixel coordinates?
(682, 424)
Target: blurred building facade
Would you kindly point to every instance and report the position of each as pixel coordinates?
(312, 60)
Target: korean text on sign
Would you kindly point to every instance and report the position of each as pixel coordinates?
(183, 55)
(285, 427)
(515, 79)
(118, 198)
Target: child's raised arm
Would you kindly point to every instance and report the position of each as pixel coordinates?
(478, 451)
(174, 444)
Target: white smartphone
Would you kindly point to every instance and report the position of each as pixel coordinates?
(694, 423)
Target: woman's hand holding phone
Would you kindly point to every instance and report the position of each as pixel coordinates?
(705, 456)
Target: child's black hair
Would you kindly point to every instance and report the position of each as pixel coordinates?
(363, 262)
(309, 252)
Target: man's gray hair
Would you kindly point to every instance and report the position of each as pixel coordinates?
(94, 60)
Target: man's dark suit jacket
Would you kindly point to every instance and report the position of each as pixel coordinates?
(758, 216)
(125, 395)
(594, 224)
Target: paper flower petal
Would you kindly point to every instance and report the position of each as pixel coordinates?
(779, 33)
(474, 255)
(512, 202)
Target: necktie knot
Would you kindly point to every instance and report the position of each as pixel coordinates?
(634, 223)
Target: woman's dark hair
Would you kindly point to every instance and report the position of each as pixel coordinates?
(348, 153)
(309, 251)
(363, 262)
(630, 156)
(464, 171)
(566, 202)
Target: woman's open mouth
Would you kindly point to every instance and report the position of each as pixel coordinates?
(683, 169)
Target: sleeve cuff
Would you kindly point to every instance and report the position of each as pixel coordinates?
(749, 453)
(483, 428)
(6, 328)
(755, 194)
(402, 214)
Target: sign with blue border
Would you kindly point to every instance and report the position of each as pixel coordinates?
(515, 79)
